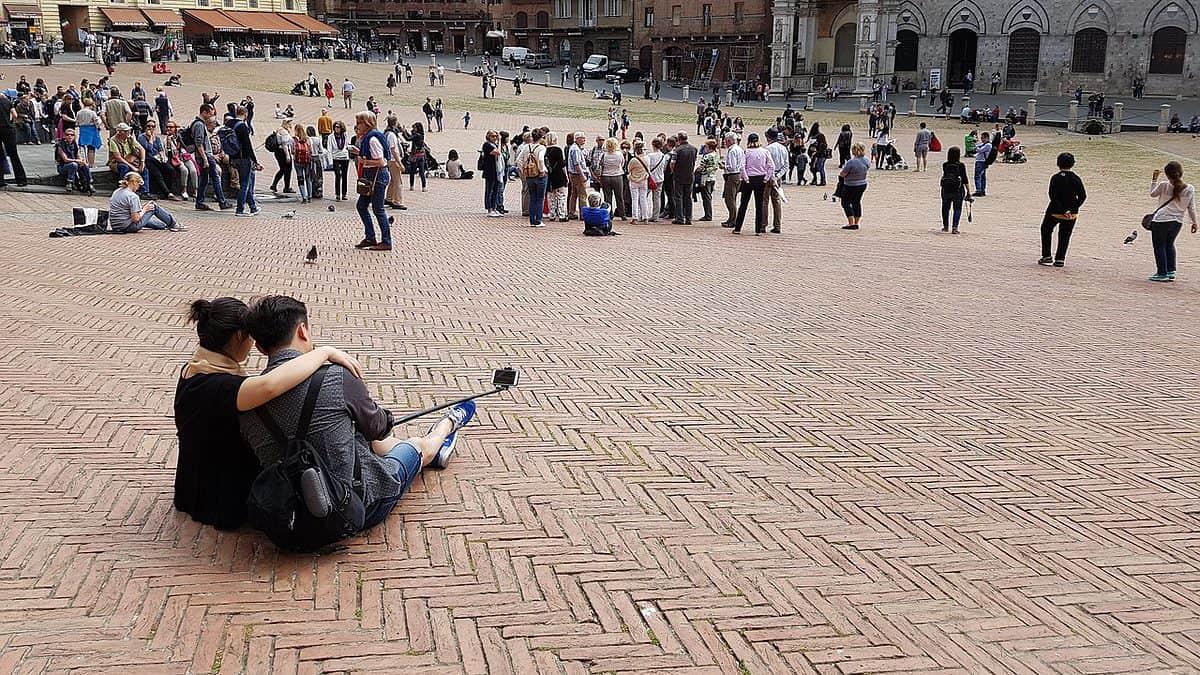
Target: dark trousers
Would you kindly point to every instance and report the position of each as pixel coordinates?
(8, 138)
(947, 203)
(1065, 227)
(1163, 236)
(285, 171)
(341, 168)
(852, 200)
(683, 200)
(755, 185)
(491, 188)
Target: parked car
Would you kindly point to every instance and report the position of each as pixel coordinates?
(627, 74)
(514, 55)
(534, 61)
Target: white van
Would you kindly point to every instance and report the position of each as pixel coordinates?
(514, 55)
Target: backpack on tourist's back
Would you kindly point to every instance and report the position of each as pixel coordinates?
(230, 145)
(298, 502)
(530, 168)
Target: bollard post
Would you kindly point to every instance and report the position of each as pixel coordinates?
(862, 103)
(146, 54)
(395, 56)
(809, 101)
(1164, 117)
(458, 64)
(729, 98)
(912, 106)
(1031, 113)
(1118, 115)
(266, 52)
(686, 91)
(1072, 115)
(432, 59)
(547, 74)
(229, 53)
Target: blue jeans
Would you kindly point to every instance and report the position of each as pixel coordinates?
(403, 462)
(303, 181)
(158, 219)
(491, 190)
(818, 169)
(245, 169)
(537, 198)
(1163, 235)
(500, 192)
(981, 177)
(78, 174)
(374, 204)
(208, 173)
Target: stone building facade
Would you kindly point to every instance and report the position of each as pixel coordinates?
(701, 41)
(439, 26)
(1036, 46)
(568, 30)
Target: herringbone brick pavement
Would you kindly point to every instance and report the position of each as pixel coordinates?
(818, 453)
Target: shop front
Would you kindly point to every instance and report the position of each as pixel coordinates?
(24, 22)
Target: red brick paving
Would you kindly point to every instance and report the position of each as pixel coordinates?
(817, 453)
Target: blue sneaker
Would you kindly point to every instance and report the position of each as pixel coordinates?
(459, 416)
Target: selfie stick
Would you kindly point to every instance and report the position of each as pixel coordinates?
(408, 418)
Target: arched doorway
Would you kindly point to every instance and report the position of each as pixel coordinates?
(1024, 46)
(844, 42)
(646, 59)
(907, 42)
(963, 44)
(1167, 49)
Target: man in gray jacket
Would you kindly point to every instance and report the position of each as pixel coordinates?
(346, 422)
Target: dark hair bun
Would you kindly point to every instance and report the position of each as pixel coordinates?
(199, 310)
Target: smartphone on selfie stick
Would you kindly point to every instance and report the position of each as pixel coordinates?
(503, 379)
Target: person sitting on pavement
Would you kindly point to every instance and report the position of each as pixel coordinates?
(127, 214)
(72, 165)
(215, 467)
(348, 429)
(597, 216)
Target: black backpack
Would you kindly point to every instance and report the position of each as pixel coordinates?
(186, 135)
(298, 502)
(951, 181)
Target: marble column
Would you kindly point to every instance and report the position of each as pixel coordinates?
(782, 43)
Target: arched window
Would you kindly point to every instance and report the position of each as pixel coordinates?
(1091, 48)
(1166, 51)
(521, 20)
(906, 50)
(543, 19)
(844, 42)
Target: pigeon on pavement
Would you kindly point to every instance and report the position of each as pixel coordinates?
(311, 258)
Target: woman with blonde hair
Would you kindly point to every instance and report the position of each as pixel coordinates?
(1176, 199)
(303, 153)
(612, 171)
(127, 214)
(853, 183)
(639, 179)
(372, 155)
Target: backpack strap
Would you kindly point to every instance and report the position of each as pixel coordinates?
(310, 402)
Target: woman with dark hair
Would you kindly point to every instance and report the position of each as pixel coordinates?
(416, 154)
(215, 467)
(844, 140)
(854, 184)
(1176, 198)
(340, 150)
(954, 188)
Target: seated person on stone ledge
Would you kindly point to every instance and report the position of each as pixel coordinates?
(215, 466)
(348, 429)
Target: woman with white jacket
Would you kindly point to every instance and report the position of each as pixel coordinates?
(1175, 200)
(338, 145)
(658, 169)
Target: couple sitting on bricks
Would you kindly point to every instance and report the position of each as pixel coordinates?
(241, 437)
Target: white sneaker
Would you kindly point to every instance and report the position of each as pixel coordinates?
(493, 214)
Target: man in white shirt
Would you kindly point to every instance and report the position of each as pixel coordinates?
(735, 159)
(780, 156)
(347, 93)
(577, 176)
(395, 190)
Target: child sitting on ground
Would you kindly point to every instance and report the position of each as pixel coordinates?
(454, 168)
(597, 217)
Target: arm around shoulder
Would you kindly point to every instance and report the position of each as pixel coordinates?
(260, 389)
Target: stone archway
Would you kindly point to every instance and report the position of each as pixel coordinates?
(964, 43)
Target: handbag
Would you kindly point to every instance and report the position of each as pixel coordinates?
(365, 185)
(650, 182)
(1149, 217)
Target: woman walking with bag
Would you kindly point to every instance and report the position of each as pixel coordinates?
(1176, 198)
(303, 154)
(373, 178)
(282, 146)
(416, 154)
(954, 188)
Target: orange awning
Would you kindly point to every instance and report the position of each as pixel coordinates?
(164, 18)
(309, 24)
(23, 12)
(124, 16)
(216, 20)
(267, 22)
